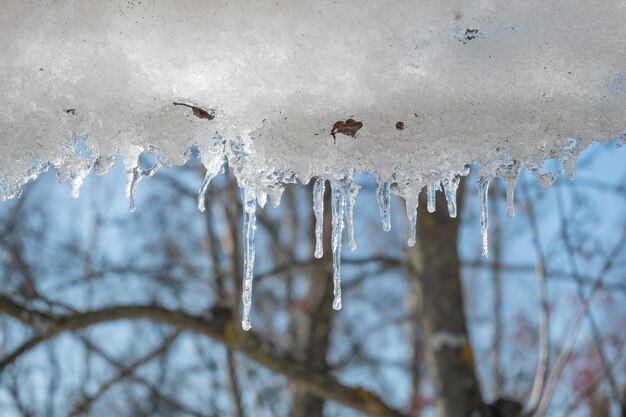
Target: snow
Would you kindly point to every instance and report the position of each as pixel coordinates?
(410, 92)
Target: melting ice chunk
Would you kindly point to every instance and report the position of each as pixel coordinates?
(546, 180)
(249, 226)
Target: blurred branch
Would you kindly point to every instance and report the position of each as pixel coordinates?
(541, 372)
(249, 344)
(579, 279)
(306, 263)
(592, 387)
(597, 336)
(568, 346)
(127, 371)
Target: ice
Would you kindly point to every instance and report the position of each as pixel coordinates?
(383, 195)
(338, 188)
(351, 190)
(283, 92)
(318, 210)
(213, 160)
(483, 190)
(545, 180)
(137, 175)
(509, 173)
(249, 227)
(431, 196)
(411, 212)
(450, 187)
(446, 84)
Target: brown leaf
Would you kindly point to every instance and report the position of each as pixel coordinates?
(199, 112)
(348, 127)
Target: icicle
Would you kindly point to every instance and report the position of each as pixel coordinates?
(249, 226)
(509, 173)
(510, 196)
(318, 209)
(203, 188)
(431, 196)
(338, 208)
(483, 190)
(135, 180)
(137, 175)
(130, 159)
(450, 187)
(213, 160)
(411, 212)
(383, 192)
(351, 190)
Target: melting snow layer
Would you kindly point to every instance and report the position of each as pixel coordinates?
(410, 91)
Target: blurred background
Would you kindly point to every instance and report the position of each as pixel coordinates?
(104, 312)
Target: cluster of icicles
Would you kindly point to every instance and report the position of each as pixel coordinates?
(74, 168)
(343, 197)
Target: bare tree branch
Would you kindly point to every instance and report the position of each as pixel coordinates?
(249, 344)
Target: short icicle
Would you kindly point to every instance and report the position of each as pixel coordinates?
(483, 190)
(137, 175)
(249, 226)
(383, 193)
(450, 187)
(213, 159)
(509, 174)
(351, 190)
(135, 180)
(338, 209)
(318, 210)
(411, 212)
(203, 188)
(431, 196)
(510, 196)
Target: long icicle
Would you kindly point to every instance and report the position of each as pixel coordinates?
(249, 226)
(338, 208)
(411, 212)
(318, 210)
(450, 187)
(383, 194)
(483, 190)
(351, 190)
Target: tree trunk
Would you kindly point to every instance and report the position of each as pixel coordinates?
(315, 327)
(435, 273)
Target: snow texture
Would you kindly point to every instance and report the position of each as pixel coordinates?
(410, 91)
